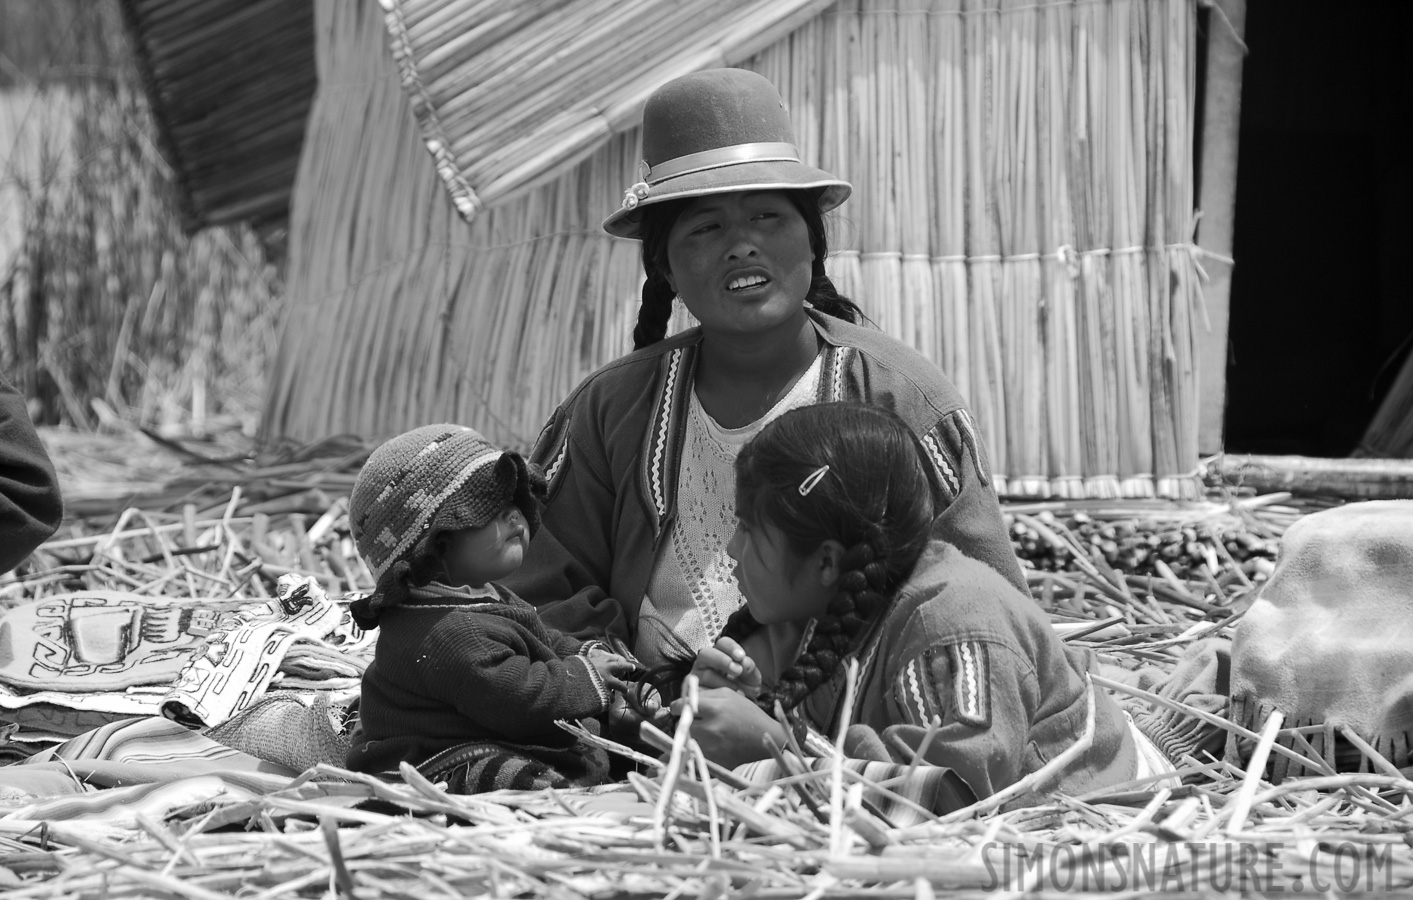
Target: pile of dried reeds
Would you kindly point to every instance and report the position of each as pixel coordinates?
(712, 840)
(685, 829)
(195, 518)
(1022, 215)
(107, 309)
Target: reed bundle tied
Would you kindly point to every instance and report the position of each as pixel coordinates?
(225, 526)
(1022, 212)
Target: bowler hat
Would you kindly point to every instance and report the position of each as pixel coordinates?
(714, 132)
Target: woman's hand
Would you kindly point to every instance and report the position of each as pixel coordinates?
(730, 728)
(727, 666)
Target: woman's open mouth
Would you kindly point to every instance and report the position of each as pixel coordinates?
(746, 282)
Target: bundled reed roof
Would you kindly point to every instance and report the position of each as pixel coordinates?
(1022, 215)
(230, 84)
(509, 95)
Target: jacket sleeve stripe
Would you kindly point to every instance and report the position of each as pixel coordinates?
(971, 683)
(946, 472)
(658, 450)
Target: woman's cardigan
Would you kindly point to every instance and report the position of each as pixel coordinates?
(611, 451)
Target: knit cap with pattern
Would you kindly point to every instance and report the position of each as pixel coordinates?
(429, 480)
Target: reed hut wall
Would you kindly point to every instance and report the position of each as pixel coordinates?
(1023, 213)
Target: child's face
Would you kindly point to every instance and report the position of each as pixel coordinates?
(474, 556)
(777, 584)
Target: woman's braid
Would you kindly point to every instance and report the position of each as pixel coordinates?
(654, 312)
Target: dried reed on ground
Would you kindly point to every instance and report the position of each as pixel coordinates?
(678, 830)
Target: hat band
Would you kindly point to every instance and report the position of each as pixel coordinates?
(763, 151)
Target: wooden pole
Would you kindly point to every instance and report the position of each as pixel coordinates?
(1351, 479)
(1220, 125)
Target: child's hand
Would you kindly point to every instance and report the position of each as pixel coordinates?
(727, 665)
(611, 667)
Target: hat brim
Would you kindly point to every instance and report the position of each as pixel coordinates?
(750, 176)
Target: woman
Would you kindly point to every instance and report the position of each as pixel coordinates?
(639, 457)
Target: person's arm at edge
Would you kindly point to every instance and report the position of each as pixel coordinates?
(31, 507)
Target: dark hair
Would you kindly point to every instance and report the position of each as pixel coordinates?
(877, 499)
(656, 306)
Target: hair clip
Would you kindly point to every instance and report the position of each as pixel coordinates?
(813, 479)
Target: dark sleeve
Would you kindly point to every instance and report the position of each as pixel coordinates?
(570, 558)
(971, 519)
(567, 645)
(30, 505)
(486, 674)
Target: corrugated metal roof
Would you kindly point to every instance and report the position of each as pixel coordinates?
(230, 83)
(510, 95)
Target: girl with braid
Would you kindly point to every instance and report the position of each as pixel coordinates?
(833, 554)
(639, 456)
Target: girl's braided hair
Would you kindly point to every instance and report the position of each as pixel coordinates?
(656, 307)
(877, 499)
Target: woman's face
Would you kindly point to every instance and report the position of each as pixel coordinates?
(741, 262)
(475, 556)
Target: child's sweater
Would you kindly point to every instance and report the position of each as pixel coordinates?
(455, 665)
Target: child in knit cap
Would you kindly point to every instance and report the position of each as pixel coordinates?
(466, 683)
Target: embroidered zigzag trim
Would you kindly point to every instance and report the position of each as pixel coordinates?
(840, 359)
(657, 451)
(914, 693)
(557, 463)
(971, 680)
(968, 429)
(946, 473)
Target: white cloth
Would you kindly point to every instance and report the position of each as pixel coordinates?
(693, 587)
(1151, 760)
